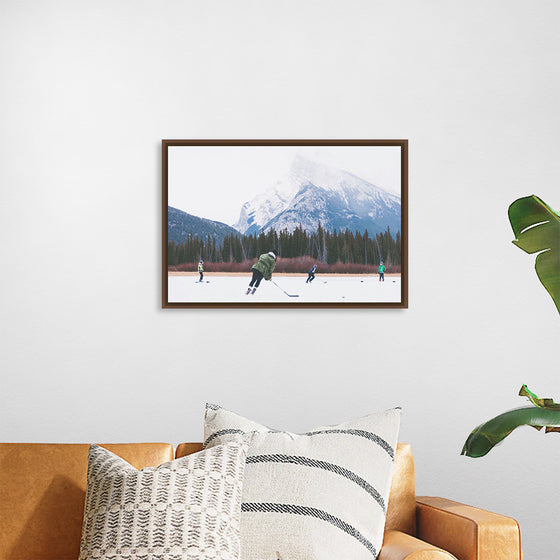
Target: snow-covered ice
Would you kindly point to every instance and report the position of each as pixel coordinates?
(324, 289)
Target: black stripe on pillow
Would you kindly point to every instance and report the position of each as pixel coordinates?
(360, 433)
(315, 463)
(311, 512)
(221, 433)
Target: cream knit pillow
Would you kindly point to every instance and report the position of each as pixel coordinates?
(321, 495)
(187, 509)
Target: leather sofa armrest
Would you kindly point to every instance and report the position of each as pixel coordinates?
(467, 532)
(401, 546)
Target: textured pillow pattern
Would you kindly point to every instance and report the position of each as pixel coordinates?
(185, 509)
(316, 496)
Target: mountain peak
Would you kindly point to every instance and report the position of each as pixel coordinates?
(313, 192)
(319, 174)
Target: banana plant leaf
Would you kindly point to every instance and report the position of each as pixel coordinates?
(537, 401)
(543, 413)
(487, 435)
(536, 227)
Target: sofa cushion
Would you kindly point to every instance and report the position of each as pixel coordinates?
(186, 509)
(401, 510)
(322, 494)
(42, 492)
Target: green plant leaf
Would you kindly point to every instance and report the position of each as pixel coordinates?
(483, 438)
(537, 401)
(536, 227)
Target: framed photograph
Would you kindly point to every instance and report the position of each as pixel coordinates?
(285, 223)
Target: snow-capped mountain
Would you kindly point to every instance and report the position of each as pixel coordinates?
(261, 209)
(313, 193)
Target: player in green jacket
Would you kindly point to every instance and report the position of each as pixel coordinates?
(201, 269)
(263, 268)
(381, 269)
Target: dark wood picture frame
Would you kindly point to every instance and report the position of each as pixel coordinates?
(290, 301)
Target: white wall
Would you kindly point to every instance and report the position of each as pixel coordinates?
(88, 91)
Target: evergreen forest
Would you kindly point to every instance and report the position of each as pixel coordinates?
(322, 246)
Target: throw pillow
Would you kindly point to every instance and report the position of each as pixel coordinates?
(185, 509)
(313, 496)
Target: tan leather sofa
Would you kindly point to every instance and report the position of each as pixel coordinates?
(42, 491)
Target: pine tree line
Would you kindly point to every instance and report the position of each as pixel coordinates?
(323, 246)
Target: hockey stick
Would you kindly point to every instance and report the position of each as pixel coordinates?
(289, 295)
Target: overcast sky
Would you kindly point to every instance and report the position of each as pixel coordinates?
(215, 181)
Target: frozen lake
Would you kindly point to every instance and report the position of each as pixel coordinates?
(218, 288)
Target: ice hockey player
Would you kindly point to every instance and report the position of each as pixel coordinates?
(381, 269)
(201, 269)
(311, 274)
(263, 268)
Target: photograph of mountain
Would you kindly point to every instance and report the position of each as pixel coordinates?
(322, 223)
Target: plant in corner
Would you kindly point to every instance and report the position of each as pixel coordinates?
(537, 230)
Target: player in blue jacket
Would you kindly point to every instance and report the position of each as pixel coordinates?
(311, 274)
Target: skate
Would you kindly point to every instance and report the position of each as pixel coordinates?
(248, 291)
(253, 292)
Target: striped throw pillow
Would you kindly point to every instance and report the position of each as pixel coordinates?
(316, 496)
(187, 509)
